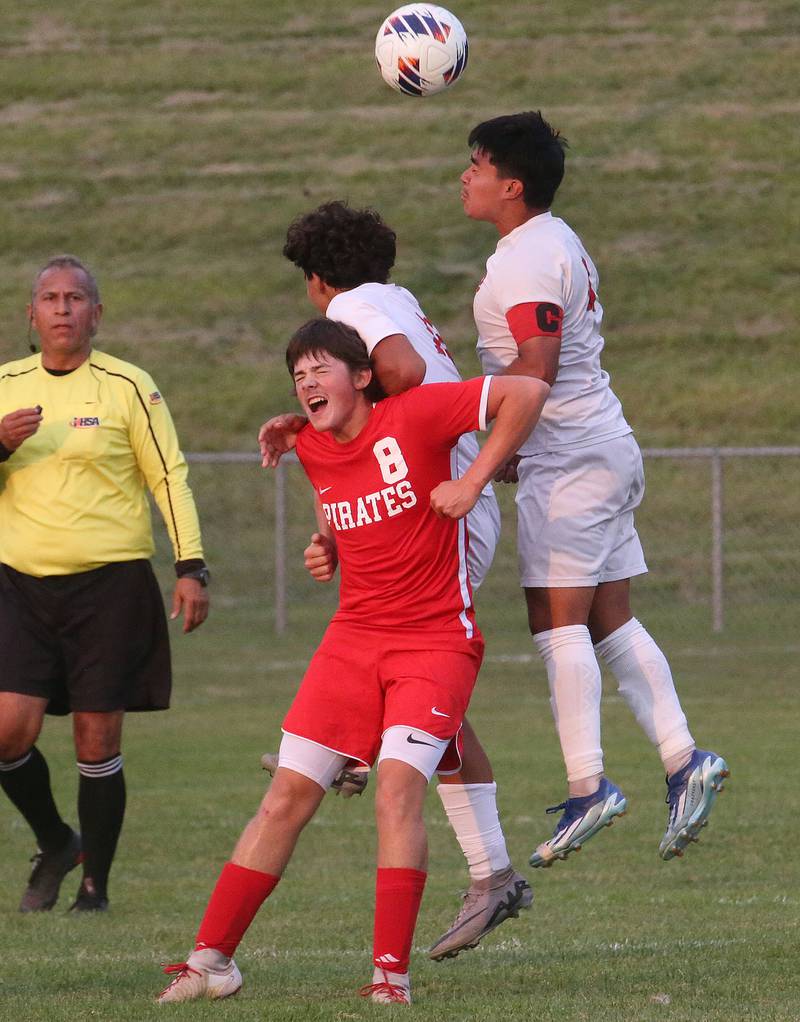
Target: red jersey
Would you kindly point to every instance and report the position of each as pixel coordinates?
(403, 569)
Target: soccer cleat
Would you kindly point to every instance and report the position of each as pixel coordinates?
(88, 899)
(690, 796)
(348, 782)
(583, 817)
(487, 903)
(206, 973)
(49, 870)
(388, 988)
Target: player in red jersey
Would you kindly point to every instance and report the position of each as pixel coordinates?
(392, 677)
(346, 256)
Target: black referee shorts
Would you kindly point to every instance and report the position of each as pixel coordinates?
(95, 641)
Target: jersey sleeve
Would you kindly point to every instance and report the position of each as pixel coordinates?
(531, 294)
(155, 446)
(370, 323)
(445, 411)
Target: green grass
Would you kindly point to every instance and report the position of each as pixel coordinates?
(612, 932)
(170, 144)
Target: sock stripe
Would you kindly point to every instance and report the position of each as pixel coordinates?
(104, 769)
(15, 764)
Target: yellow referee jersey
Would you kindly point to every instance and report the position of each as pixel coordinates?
(72, 496)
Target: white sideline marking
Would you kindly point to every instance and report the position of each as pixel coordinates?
(530, 658)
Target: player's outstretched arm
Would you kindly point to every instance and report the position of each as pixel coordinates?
(515, 404)
(278, 436)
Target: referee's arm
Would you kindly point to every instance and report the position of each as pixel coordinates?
(158, 454)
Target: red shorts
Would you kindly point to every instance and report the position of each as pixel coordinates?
(359, 684)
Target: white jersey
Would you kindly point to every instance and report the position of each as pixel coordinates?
(540, 281)
(376, 311)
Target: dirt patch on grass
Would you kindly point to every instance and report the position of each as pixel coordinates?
(27, 110)
(47, 199)
(192, 97)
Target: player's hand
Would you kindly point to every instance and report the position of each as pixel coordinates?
(278, 436)
(17, 426)
(454, 498)
(320, 557)
(192, 598)
(508, 473)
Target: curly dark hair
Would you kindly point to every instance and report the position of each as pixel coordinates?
(342, 342)
(526, 147)
(345, 247)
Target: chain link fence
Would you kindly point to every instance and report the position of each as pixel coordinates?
(719, 527)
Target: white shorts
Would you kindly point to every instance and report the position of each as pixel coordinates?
(483, 524)
(575, 515)
(410, 745)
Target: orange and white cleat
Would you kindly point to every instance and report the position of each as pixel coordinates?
(205, 974)
(388, 987)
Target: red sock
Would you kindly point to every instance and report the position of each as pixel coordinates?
(239, 894)
(398, 893)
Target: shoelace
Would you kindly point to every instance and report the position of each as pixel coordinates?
(556, 809)
(180, 968)
(468, 899)
(676, 785)
(396, 994)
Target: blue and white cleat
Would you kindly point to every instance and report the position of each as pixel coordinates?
(583, 818)
(690, 796)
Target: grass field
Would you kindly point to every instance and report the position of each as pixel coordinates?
(615, 933)
(170, 144)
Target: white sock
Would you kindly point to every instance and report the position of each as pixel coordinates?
(575, 691)
(472, 812)
(645, 682)
(397, 979)
(209, 958)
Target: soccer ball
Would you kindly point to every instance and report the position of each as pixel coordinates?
(421, 49)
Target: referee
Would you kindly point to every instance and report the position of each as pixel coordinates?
(82, 623)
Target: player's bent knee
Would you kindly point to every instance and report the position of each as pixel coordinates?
(289, 804)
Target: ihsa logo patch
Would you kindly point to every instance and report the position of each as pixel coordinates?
(82, 423)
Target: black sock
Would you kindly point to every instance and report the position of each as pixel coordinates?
(101, 808)
(28, 787)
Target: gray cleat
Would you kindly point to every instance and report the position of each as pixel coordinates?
(347, 782)
(49, 870)
(487, 903)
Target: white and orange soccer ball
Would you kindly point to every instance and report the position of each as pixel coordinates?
(421, 49)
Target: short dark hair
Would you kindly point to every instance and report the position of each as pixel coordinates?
(526, 147)
(328, 336)
(344, 246)
(69, 262)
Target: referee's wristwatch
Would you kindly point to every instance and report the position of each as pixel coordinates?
(193, 569)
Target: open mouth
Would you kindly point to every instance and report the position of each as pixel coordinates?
(316, 403)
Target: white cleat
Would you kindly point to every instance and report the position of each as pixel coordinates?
(691, 793)
(206, 973)
(583, 817)
(388, 988)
